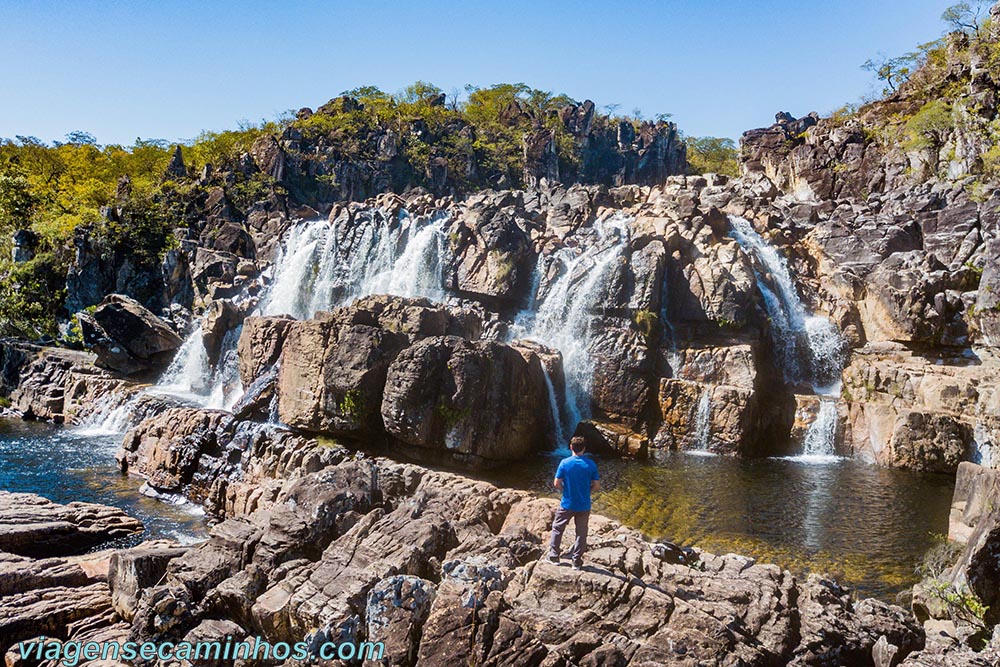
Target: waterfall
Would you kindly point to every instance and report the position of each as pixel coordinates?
(821, 434)
(321, 265)
(809, 346)
(192, 378)
(703, 421)
(298, 268)
(561, 310)
(112, 418)
(554, 412)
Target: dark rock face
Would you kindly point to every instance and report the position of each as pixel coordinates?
(24, 242)
(127, 337)
(491, 248)
(475, 402)
(181, 450)
(406, 369)
(33, 526)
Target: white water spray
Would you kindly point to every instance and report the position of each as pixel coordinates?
(319, 267)
(703, 421)
(112, 418)
(809, 346)
(561, 317)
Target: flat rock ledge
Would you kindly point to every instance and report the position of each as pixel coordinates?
(31, 525)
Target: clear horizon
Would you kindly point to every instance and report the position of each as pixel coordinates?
(121, 71)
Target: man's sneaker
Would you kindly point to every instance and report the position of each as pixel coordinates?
(578, 565)
(554, 559)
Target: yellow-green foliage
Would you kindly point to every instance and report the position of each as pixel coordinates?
(716, 155)
(64, 185)
(353, 404)
(647, 322)
(54, 189)
(219, 148)
(928, 128)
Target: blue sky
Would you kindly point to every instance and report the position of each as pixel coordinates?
(169, 69)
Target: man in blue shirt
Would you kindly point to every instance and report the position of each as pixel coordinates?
(576, 477)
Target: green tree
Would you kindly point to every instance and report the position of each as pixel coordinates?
(420, 92)
(894, 71)
(717, 155)
(967, 17)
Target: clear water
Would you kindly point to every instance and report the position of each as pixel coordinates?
(65, 464)
(868, 527)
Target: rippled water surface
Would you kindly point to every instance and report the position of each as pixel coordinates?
(867, 526)
(66, 464)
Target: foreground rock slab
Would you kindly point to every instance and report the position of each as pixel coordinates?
(446, 570)
(34, 526)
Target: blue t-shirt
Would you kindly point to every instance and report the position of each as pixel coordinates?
(576, 473)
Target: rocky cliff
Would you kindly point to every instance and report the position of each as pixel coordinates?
(838, 298)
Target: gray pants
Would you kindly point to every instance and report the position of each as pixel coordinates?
(582, 521)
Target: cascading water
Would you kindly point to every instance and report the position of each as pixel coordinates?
(820, 436)
(318, 267)
(112, 418)
(321, 266)
(561, 310)
(809, 346)
(703, 421)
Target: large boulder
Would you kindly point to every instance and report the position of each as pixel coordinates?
(475, 403)
(975, 522)
(130, 571)
(180, 450)
(260, 345)
(127, 337)
(331, 377)
(491, 248)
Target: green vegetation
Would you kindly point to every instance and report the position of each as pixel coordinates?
(648, 324)
(928, 128)
(126, 204)
(451, 415)
(963, 605)
(715, 155)
(352, 405)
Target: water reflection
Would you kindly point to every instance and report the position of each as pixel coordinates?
(867, 526)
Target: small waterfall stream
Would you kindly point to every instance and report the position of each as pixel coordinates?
(703, 423)
(561, 310)
(111, 418)
(809, 346)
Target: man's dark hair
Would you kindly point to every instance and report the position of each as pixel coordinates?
(578, 444)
